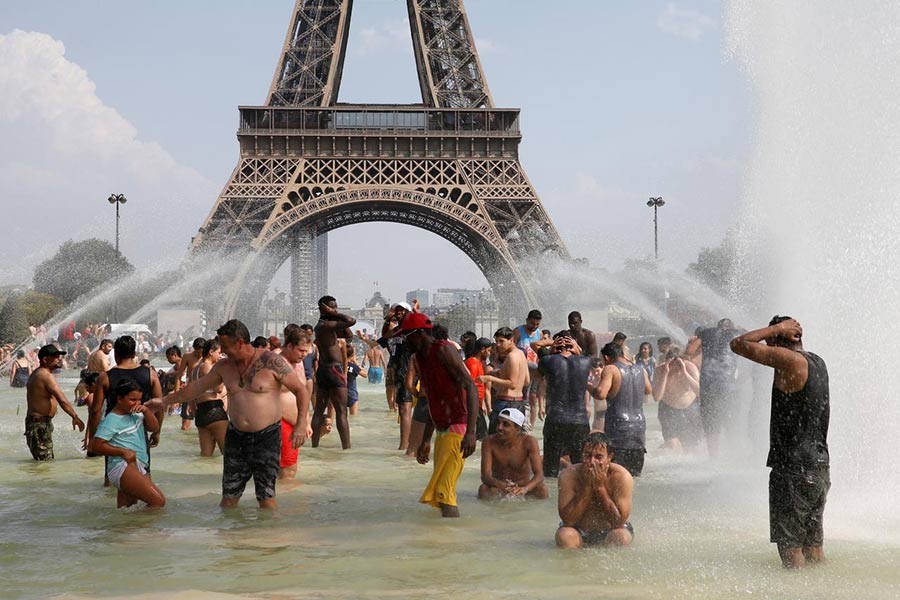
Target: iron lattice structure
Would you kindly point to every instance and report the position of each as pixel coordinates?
(309, 165)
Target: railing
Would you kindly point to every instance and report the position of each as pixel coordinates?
(375, 119)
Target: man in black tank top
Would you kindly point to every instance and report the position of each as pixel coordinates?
(798, 444)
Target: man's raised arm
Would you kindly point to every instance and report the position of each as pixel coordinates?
(750, 345)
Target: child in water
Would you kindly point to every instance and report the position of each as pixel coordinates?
(122, 436)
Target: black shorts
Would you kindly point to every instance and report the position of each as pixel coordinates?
(563, 439)
(716, 398)
(255, 454)
(631, 459)
(595, 538)
(420, 410)
(685, 424)
(210, 412)
(797, 505)
(331, 376)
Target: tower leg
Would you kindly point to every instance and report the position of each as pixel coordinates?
(309, 272)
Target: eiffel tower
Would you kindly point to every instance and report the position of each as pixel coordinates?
(309, 165)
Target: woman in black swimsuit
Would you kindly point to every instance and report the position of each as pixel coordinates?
(210, 416)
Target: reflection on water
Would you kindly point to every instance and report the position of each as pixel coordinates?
(354, 528)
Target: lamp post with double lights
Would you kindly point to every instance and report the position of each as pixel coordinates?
(656, 203)
(117, 199)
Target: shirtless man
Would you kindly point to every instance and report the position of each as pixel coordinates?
(98, 361)
(676, 383)
(595, 499)
(585, 338)
(44, 398)
(297, 345)
(510, 381)
(186, 367)
(511, 461)
(253, 378)
(331, 379)
(375, 362)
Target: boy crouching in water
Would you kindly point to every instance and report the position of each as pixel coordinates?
(122, 435)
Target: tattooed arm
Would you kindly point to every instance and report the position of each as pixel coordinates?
(286, 376)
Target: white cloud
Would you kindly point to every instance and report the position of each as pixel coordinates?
(65, 151)
(684, 22)
(388, 36)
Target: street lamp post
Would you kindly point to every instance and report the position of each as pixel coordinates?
(656, 203)
(117, 199)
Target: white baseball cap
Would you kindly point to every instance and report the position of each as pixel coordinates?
(513, 415)
(403, 305)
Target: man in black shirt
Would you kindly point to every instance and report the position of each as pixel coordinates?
(798, 444)
(567, 425)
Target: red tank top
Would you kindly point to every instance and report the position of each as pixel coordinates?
(446, 401)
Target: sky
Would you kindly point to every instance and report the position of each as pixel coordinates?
(620, 101)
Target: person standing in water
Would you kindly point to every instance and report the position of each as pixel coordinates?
(44, 397)
(524, 336)
(20, 370)
(98, 361)
(253, 378)
(209, 406)
(331, 378)
(510, 382)
(452, 408)
(186, 369)
(798, 439)
(585, 338)
(297, 346)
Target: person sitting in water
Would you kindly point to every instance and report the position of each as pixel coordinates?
(595, 499)
(511, 461)
(122, 437)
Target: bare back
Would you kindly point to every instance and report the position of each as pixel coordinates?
(98, 361)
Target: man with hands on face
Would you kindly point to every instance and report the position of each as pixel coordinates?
(452, 406)
(798, 439)
(595, 499)
(253, 378)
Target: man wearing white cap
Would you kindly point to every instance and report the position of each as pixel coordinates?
(511, 461)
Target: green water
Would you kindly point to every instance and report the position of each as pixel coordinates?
(353, 528)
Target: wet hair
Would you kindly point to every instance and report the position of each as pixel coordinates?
(90, 378)
(727, 324)
(274, 342)
(563, 333)
(124, 347)
(294, 336)
(647, 344)
(235, 330)
(663, 340)
(145, 362)
(289, 328)
(545, 331)
(597, 438)
(210, 346)
(596, 361)
(440, 332)
(105, 341)
(350, 350)
(574, 315)
(504, 332)
(260, 342)
(673, 352)
(467, 340)
(307, 327)
(20, 354)
(326, 300)
(125, 387)
(611, 350)
(619, 336)
(534, 314)
(779, 319)
(199, 342)
(173, 351)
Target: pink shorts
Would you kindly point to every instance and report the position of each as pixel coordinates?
(289, 454)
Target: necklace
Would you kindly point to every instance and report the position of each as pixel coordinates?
(241, 373)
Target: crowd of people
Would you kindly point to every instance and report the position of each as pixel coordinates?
(258, 400)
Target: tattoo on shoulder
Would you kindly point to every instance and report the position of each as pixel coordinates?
(277, 364)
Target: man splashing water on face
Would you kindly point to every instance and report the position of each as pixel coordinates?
(798, 431)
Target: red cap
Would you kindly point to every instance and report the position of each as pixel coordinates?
(413, 321)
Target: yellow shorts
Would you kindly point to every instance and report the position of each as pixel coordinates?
(448, 466)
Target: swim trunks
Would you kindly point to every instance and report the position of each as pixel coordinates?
(117, 470)
(797, 504)
(289, 454)
(630, 458)
(420, 410)
(448, 466)
(254, 454)
(331, 376)
(375, 374)
(595, 538)
(39, 437)
(563, 439)
(209, 412)
(685, 424)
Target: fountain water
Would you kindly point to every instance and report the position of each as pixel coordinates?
(819, 237)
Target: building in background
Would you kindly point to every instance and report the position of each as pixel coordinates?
(423, 296)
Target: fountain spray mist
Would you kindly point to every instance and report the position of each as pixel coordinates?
(819, 235)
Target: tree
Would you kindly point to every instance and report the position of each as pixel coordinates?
(79, 267)
(715, 266)
(39, 307)
(13, 324)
